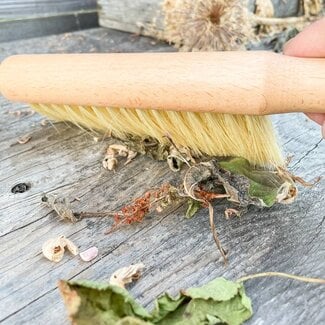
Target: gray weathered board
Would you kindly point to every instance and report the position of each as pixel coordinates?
(137, 16)
(31, 18)
(178, 253)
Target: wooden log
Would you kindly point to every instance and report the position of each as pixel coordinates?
(145, 16)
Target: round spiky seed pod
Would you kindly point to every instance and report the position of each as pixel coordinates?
(207, 25)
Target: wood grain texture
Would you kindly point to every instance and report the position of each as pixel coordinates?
(178, 253)
(247, 82)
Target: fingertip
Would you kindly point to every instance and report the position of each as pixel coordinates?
(309, 43)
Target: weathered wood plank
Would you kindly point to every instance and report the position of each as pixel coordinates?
(178, 253)
(138, 16)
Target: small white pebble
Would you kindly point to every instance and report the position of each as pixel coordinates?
(89, 254)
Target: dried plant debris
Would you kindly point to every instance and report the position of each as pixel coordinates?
(233, 180)
(209, 25)
(21, 113)
(175, 156)
(113, 152)
(148, 146)
(242, 183)
(61, 206)
(219, 301)
(126, 275)
(24, 139)
(89, 254)
(54, 248)
(153, 200)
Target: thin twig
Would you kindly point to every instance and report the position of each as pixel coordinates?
(190, 193)
(81, 215)
(282, 275)
(282, 21)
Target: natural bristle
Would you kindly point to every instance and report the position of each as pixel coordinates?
(251, 137)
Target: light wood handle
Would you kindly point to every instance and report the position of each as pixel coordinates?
(226, 82)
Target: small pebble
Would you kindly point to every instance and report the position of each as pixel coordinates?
(89, 254)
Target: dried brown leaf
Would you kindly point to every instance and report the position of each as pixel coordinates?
(126, 275)
(24, 139)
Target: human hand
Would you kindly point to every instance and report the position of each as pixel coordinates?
(310, 43)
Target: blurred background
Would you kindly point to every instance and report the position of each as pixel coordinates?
(21, 19)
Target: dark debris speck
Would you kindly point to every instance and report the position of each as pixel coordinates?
(20, 188)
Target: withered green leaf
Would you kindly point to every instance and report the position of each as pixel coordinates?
(219, 301)
(90, 302)
(264, 184)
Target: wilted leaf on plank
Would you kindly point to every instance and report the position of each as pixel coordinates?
(264, 185)
(219, 301)
(89, 302)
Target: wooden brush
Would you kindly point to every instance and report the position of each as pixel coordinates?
(211, 102)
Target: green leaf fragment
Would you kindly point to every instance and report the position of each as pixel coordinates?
(219, 289)
(266, 194)
(264, 184)
(193, 206)
(218, 302)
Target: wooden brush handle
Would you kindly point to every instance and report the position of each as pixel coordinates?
(226, 82)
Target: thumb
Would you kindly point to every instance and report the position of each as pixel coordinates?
(309, 43)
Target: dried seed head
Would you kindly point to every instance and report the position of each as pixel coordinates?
(207, 25)
(53, 249)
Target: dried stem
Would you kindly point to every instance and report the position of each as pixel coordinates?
(215, 234)
(81, 215)
(282, 275)
(282, 21)
(191, 193)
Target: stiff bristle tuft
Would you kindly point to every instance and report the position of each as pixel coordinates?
(250, 137)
